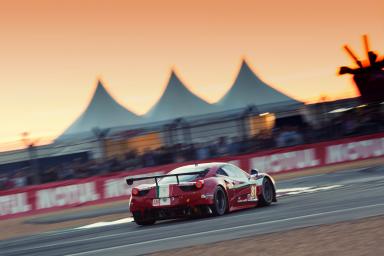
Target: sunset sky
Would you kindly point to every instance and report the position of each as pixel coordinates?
(52, 52)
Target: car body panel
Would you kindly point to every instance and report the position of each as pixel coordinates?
(179, 199)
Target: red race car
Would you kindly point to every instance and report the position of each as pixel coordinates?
(199, 190)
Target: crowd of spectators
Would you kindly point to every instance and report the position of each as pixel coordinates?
(346, 124)
(15, 180)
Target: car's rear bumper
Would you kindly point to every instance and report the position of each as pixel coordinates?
(171, 212)
(172, 207)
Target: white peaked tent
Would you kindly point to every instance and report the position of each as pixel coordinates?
(177, 101)
(102, 112)
(249, 90)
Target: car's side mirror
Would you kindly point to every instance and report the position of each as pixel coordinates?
(254, 172)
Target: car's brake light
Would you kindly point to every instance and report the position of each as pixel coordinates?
(135, 191)
(139, 192)
(199, 184)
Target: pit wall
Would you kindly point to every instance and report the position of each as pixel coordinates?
(101, 189)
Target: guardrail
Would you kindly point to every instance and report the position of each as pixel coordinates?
(101, 189)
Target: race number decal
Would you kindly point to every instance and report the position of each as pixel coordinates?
(253, 192)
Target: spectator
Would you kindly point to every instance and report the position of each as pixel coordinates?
(148, 158)
(202, 152)
(222, 147)
(131, 160)
(234, 146)
(350, 124)
(264, 140)
(5, 182)
(66, 172)
(49, 175)
(189, 152)
(19, 179)
(288, 136)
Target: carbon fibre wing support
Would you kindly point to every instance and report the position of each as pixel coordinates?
(156, 177)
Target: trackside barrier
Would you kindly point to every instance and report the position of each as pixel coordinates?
(101, 189)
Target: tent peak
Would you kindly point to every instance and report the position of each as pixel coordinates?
(174, 75)
(176, 101)
(244, 62)
(249, 89)
(245, 69)
(175, 84)
(100, 87)
(103, 111)
(101, 94)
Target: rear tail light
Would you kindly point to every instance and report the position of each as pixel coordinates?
(199, 184)
(139, 192)
(135, 191)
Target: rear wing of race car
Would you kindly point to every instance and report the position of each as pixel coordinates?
(156, 177)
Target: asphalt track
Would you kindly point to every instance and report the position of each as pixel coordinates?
(305, 201)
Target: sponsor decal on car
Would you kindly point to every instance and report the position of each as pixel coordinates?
(163, 199)
(251, 199)
(206, 196)
(163, 191)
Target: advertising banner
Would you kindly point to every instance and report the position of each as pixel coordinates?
(101, 189)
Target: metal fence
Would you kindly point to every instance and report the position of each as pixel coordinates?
(189, 139)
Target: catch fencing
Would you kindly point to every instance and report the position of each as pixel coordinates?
(57, 196)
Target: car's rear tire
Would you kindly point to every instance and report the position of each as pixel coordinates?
(267, 193)
(146, 221)
(220, 203)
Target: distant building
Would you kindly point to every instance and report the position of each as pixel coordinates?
(177, 101)
(250, 90)
(102, 112)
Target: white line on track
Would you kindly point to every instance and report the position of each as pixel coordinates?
(301, 190)
(289, 191)
(94, 225)
(53, 233)
(106, 223)
(226, 229)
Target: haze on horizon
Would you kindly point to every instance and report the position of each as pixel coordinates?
(53, 52)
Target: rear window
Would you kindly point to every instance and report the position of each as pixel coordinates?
(184, 178)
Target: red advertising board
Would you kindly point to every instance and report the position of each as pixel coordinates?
(101, 189)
